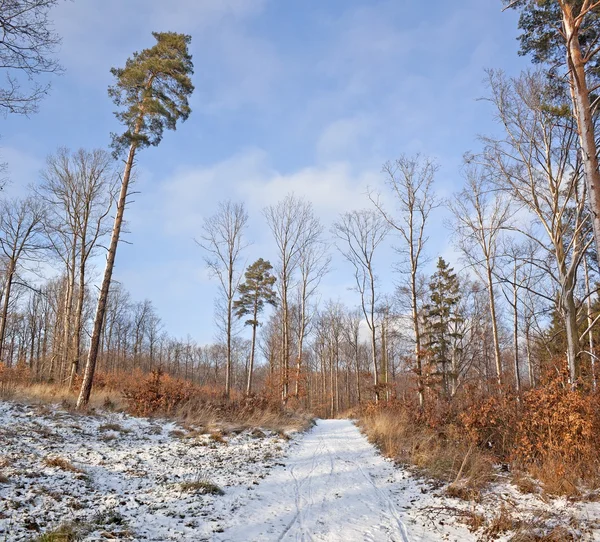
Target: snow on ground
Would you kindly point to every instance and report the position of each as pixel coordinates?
(137, 479)
(123, 467)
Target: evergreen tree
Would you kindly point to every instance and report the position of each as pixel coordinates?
(254, 293)
(442, 319)
(153, 91)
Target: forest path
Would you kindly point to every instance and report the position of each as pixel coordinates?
(331, 488)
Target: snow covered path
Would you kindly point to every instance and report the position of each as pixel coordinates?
(333, 488)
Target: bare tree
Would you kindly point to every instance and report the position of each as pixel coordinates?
(351, 333)
(539, 165)
(480, 214)
(79, 189)
(20, 230)
(294, 228)
(360, 233)
(313, 265)
(27, 47)
(223, 240)
(410, 180)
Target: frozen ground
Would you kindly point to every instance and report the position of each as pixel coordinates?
(126, 478)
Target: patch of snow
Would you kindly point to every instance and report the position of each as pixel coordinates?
(128, 466)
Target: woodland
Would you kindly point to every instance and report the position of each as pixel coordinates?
(454, 370)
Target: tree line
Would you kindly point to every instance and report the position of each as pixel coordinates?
(526, 225)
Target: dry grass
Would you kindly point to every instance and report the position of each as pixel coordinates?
(237, 416)
(443, 456)
(544, 529)
(44, 394)
(5, 461)
(204, 487)
(200, 408)
(557, 478)
(62, 464)
(113, 427)
(111, 523)
(525, 484)
(502, 522)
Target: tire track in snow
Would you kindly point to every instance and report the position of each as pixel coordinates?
(384, 499)
(324, 493)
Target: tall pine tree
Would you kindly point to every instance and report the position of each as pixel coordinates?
(152, 92)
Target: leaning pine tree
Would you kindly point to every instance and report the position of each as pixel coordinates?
(152, 92)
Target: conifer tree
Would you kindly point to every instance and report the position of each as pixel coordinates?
(254, 293)
(441, 322)
(152, 92)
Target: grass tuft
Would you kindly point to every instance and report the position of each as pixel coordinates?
(204, 487)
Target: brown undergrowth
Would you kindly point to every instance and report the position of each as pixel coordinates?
(550, 435)
(159, 395)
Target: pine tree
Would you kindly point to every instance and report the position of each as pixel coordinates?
(254, 293)
(442, 319)
(153, 91)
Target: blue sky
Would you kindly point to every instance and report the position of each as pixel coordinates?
(309, 96)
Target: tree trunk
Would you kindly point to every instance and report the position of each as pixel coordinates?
(7, 288)
(229, 327)
(357, 363)
(417, 332)
(516, 336)
(590, 321)
(583, 114)
(573, 349)
(252, 349)
(88, 377)
(301, 332)
(285, 350)
(78, 316)
(373, 337)
(492, 302)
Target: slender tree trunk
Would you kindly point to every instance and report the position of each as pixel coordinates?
(229, 328)
(252, 349)
(285, 350)
(78, 316)
(357, 365)
(516, 336)
(384, 360)
(590, 321)
(251, 366)
(573, 349)
(492, 302)
(373, 337)
(530, 370)
(301, 333)
(88, 377)
(10, 272)
(417, 332)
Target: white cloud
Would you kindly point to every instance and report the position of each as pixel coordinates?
(343, 137)
(234, 66)
(192, 193)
